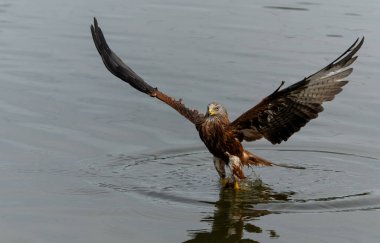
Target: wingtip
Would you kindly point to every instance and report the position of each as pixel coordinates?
(359, 42)
(362, 40)
(356, 46)
(94, 25)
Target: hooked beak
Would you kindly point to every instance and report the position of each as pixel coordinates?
(211, 111)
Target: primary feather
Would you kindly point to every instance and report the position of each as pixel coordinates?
(284, 112)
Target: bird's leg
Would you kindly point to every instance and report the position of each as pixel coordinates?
(220, 168)
(236, 168)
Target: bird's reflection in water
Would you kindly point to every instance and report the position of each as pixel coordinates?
(235, 213)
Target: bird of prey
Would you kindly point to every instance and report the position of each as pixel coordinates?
(275, 118)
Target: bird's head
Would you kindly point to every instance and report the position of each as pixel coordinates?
(216, 110)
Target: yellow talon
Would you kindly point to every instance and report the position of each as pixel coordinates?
(224, 182)
(236, 185)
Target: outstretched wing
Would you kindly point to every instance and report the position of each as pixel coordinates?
(285, 111)
(121, 70)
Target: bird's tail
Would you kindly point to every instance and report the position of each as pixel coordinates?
(256, 160)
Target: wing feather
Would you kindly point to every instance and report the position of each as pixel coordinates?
(284, 112)
(121, 70)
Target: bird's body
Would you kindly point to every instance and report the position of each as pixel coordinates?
(222, 142)
(275, 118)
(218, 136)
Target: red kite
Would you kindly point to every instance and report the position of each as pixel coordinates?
(275, 118)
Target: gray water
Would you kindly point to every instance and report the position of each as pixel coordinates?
(85, 158)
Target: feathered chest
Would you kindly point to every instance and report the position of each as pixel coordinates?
(219, 138)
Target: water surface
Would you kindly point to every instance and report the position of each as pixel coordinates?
(85, 158)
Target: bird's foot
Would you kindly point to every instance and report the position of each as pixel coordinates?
(236, 185)
(229, 183)
(226, 183)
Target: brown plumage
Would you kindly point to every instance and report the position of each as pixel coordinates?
(275, 118)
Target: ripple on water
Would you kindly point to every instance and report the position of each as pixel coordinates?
(330, 181)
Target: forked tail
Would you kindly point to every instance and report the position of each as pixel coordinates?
(259, 161)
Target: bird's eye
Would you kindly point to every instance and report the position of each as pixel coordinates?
(217, 108)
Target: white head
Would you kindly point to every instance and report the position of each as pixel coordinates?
(216, 110)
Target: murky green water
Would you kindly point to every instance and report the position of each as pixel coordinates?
(85, 158)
